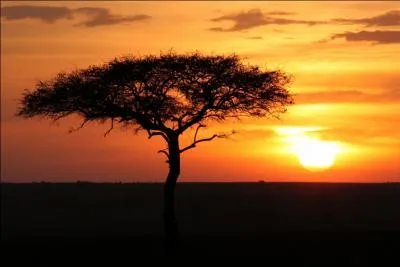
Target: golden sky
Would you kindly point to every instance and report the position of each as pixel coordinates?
(344, 56)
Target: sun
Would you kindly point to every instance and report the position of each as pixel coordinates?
(314, 154)
(305, 143)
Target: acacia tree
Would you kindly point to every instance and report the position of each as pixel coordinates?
(165, 96)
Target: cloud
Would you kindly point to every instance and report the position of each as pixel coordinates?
(44, 13)
(280, 13)
(102, 16)
(217, 29)
(255, 38)
(379, 37)
(95, 16)
(348, 96)
(390, 18)
(255, 18)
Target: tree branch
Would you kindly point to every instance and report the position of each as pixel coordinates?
(80, 127)
(62, 116)
(112, 127)
(193, 145)
(163, 151)
(151, 134)
(197, 130)
(196, 119)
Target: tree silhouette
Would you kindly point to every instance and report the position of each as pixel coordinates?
(165, 96)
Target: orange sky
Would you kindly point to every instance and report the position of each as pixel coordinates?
(345, 57)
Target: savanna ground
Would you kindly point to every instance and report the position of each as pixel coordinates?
(325, 224)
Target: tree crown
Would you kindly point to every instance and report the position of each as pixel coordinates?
(167, 93)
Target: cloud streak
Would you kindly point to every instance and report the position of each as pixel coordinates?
(95, 16)
(102, 16)
(378, 37)
(390, 18)
(255, 18)
(255, 38)
(280, 13)
(46, 14)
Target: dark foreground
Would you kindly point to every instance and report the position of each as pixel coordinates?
(280, 223)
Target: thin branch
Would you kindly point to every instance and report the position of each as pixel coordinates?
(57, 118)
(164, 151)
(80, 127)
(197, 130)
(193, 145)
(61, 116)
(112, 127)
(151, 134)
(196, 119)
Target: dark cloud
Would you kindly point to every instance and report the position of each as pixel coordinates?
(44, 13)
(255, 18)
(102, 16)
(95, 16)
(217, 29)
(280, 13)
(378, 37)
(255, 38)
(390, 18)
(349, 96)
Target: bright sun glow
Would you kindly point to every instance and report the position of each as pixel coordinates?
(314, 154)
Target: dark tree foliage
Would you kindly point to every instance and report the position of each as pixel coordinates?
(163, 95)
(169, 92)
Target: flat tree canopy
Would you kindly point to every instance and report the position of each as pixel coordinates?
(162, 93)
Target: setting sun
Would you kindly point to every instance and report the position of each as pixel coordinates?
(315, 154)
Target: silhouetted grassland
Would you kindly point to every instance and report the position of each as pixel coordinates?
(309, 222)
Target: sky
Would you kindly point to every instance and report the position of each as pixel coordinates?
(344, 57)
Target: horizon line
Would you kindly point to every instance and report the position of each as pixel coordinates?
(198, 182)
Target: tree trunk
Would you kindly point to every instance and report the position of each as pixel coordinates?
(170, 223)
